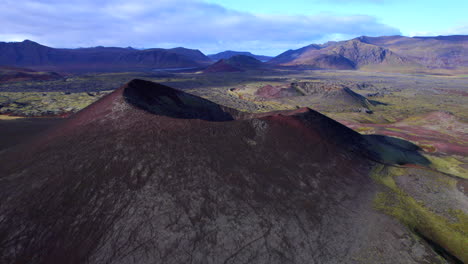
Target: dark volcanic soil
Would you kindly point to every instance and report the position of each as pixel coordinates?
(149, 174)
(13, 132)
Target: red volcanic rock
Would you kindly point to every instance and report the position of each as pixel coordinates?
(269, 91)
(149, 174)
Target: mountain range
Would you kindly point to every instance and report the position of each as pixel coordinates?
(443, 52)
(396, 53)
(32, 55)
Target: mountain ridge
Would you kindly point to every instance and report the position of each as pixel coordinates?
(30, 54)
(397, 53)
(441, 52)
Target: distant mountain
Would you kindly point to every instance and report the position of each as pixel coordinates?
(244, 62)
(434, 52)
(386, 53)
(35, 56)
(235, 63)
(229, 53)
(291, 55)
(444, 52)
(351, 54)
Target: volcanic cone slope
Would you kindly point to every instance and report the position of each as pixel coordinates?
(135, 179)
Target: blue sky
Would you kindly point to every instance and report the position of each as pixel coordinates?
(411, 17)
(262, 27)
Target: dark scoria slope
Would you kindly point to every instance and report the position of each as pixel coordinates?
(149, 174)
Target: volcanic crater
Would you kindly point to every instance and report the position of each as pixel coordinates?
(150, 174)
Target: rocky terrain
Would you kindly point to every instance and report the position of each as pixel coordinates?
(337, 96)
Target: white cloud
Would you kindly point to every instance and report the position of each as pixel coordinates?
(189, 23)
(460, 29)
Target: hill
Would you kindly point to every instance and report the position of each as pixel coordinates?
(229, 53)
(222, 66)
(38, 57)
(235, 63)
(150, 174)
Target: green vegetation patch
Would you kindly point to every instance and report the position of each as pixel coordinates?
(449, 165)
(452, 236)
(45, 104)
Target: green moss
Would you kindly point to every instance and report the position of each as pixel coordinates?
(453, 236)
(448, 165)
(393, 129)
(50, 103)
(365, 130)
